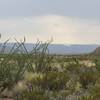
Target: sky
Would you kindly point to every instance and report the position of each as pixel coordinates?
(64, 21)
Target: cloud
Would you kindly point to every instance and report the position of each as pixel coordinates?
(78, 8)
(62, 29)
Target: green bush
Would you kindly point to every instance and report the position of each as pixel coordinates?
(55, 81)
(88, 76)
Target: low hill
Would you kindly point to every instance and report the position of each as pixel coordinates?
(97, 51)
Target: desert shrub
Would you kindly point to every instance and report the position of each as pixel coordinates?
(97, 62)
(18, 60)
(86, 98)
(72, 68)
(12, 68)
(95, 90)
(88, 76)
(55, 80)
(41, 57)
(35, 94)
(52, 81)
(73, 86)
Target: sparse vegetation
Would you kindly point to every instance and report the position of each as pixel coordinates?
(37, 75)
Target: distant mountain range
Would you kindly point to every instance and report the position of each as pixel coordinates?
(62, 49)
(72, 49)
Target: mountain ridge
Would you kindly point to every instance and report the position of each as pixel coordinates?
(62, 48)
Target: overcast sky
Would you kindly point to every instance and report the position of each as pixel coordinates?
(66, 21)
